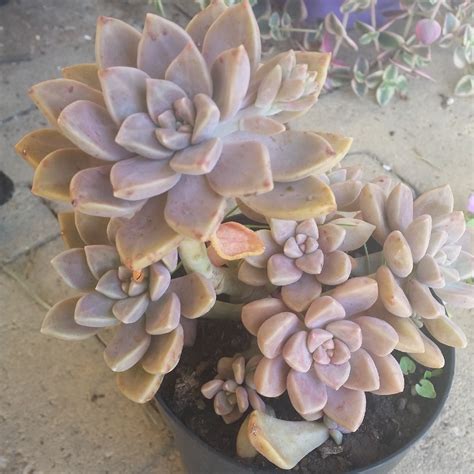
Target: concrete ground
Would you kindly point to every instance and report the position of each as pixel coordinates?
(59, 409)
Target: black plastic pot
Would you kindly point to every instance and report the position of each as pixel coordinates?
(199, 458)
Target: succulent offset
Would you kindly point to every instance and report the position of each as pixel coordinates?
(158, 145)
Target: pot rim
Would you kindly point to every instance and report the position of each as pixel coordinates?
(449, 353)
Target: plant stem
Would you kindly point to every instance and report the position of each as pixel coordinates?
(373, 21)
(408, 24)
(436, 9)
(159, 7)
(345, 20)
(297, 30)
(222, 310)
(231, 212)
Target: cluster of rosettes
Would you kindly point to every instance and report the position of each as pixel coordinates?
(428, 257)
(233, 389)
(302, 257)
(153, 315)
(327, 357)
(190, 116)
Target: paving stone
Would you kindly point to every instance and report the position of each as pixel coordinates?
(25, 223)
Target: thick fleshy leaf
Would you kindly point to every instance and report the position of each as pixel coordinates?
(296, 353)
(336, 269)
(303, 199)
(254, 314)
(124, 90)
(164, 352)
(372, 205)
(189, 71)
(54, 95)
(432, 357)
(422, 301)
(257, 124)
(347, 195)
(137, 135)
(356, 235)
(339, 143)
(438, 239)
(197, 159)
(399, 207)
(270, 248)
(230, 76)
(436, 202)
(233, 241)
(318, 62)
(193, 209)
(346, 407)
(127, 347)
(140, 178)
(161, 42)
(356, 294)
(200, 23)
(458, 294)
(391, 294)
(137, 385)
(251, 275)
(378, 337)
(173, 139)
(282, 270)
(331, 237)
(90, 127)
(196, 294)
(284, 443)
(131, 309)
(71, 265)
(390, 375)
(110, 285)
(92, 229)
(364, 375)
(429, 273)
(146, 238)
(463, 263)
(54, 173)
(159, 280)
(282, 230)
(86, 73)
(59, 322)
(268, 88)
(311, 154)
(418, 234)
(275, 331)
(348, 332)
(207, 118)
(91, 193)
(454, 224)
(322, 311)
(95, 310)
(299, 295)
(163, 316)
(307, 393)
(101, 259)
(334, 376)
(38, 144)
(270, 377)
(116, 43)
(69, 232)
(446, 331)
(161, 95)
(243, 168)
(397, 253)
(234, 27)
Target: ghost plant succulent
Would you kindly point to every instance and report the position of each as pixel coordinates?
(172, 147)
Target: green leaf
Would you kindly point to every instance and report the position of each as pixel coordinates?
(402, 84)
(465, 86)
(286, 20)
(451, 23)
(389, 40)
(360, 89)
(367, 38)
(274, 20)
(470, 222)
(407, 365)
(363, 28)
(427, 375)
(436, 372)
(459, 58)
(384, 94)
(361, 67)
(374, 79)
(334, 26)
(425, 389)
(390, 74)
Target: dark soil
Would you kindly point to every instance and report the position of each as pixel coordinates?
(6, 186)
(390, 421)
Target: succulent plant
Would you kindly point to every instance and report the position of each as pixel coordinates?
(200, 125)
(153, 315)
(301, 257)
(327, 357)
(426, 263)
(233, 389)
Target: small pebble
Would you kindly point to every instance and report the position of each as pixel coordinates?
(450, 101)
(414, 408)
(387, 167)
(402, 403)
(37, 37)
(87, 37)
(3, 463)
